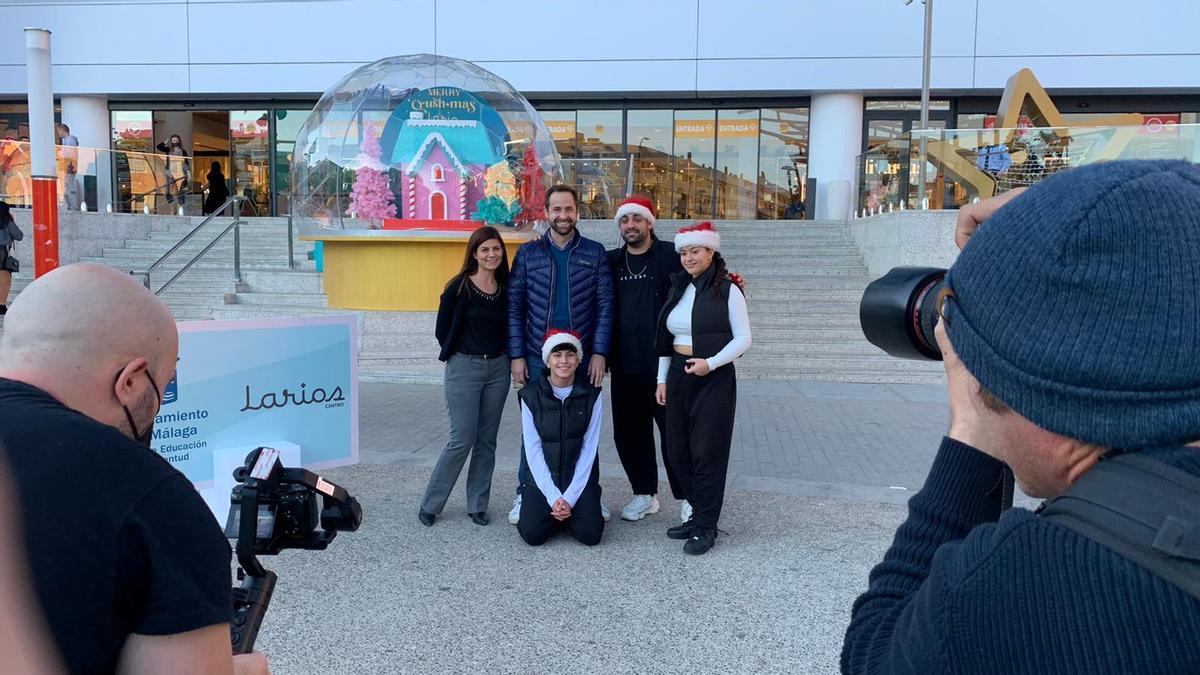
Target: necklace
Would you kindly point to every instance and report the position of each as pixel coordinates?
(632, 274)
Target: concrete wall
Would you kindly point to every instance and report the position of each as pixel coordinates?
(920, 238)
(614, 46)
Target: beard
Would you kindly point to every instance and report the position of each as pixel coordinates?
(562, 226)
(634, 237)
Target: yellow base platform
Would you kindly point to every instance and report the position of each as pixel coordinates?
(395, 270)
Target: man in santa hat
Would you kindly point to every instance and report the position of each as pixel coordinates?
(560, 428)
(642, 269)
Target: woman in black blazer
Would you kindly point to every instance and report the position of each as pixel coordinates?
(471, 329)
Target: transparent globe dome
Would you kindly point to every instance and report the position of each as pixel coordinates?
(422, 141)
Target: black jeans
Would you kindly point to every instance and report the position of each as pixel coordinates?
(700, 414)
(586, 523)
(635, 413)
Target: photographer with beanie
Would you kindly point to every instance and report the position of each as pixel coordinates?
(702, 329)
(1070, 330)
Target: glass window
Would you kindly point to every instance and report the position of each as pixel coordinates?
(692, 164)
(561, 124)
(737, 164)
(648, 142)
(600, 133)
(287, 127)
(783, 163)
(14, 121)
(934, 104)
(249, 152)
(600, 170)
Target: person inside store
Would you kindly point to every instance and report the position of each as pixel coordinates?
(178, 169)
(560, 424)
(471, 329)
(129, 567)
(1069, 332)
(702, 329)
(218, 190)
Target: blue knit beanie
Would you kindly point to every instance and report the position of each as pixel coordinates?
(1078, 304)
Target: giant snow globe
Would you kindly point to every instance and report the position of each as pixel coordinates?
(422, 142)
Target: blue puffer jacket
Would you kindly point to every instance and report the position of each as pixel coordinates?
(531, 289)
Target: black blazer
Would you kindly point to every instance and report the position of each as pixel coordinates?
(452, 310)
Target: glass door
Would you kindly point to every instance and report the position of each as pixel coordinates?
(249, 136)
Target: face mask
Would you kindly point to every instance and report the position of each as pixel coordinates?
(146, 436)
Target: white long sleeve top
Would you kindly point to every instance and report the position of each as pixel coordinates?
(679, 323)
(537, 460)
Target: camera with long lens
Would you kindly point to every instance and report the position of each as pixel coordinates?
(272, 509)
(899, 310)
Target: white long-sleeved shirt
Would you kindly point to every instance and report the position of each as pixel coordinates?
(679, 324)
(537, 460)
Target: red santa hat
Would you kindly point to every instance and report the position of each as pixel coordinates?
(701, 234)
(555, 337)
(639, 205)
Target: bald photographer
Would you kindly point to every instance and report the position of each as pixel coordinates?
(129, 568)
(1070, 330)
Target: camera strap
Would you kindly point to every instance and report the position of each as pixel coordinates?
(1143, 510)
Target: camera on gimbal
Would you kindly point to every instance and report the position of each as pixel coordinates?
(273, 509)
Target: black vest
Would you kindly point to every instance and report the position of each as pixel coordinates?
(561, 425)
(710, 315)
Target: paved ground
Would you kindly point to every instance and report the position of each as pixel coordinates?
(814, 497)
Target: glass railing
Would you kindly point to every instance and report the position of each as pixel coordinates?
(967, 164)
(601, 184)
(102, 180)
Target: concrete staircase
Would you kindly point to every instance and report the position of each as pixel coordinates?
(804, 279)
(208, 284)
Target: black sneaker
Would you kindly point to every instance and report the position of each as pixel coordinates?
(700, 541)
(480, 518)
(426, 518)
(683, 530)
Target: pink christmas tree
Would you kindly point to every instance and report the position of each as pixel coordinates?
(371, 198)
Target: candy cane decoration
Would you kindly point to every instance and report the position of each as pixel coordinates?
(412, 196)
(462, 198)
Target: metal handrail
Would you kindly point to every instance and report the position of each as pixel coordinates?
(237, 256)
(218, 213)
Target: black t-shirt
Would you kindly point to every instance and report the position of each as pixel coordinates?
(117, 540)
(637, 317)
(485, 322)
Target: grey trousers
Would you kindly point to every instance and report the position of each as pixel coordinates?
(476, 389)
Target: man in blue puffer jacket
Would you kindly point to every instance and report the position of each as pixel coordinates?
(561, 281)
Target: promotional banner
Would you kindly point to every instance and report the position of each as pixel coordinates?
(240, 384)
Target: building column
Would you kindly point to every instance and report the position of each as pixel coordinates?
(90, 122)
(834, 143)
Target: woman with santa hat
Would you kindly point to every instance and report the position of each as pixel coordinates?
(702, 329)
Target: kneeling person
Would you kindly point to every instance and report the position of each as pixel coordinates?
(560, 420)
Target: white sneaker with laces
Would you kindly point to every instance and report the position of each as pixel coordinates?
(604, 511)
(640, 507)
(514, 516)
(685, 512)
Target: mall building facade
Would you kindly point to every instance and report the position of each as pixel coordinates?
(745, 110)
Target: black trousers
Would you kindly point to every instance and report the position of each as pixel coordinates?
(699, 432)
(586, 523)
(635, 413)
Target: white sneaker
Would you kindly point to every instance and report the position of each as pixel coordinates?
(514, 516)
(640, 507)
(685, 512)
(604, 511)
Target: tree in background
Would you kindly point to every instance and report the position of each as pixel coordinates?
(533, 192)
(371, 198)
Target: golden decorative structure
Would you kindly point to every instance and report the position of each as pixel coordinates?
(1024, 97)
